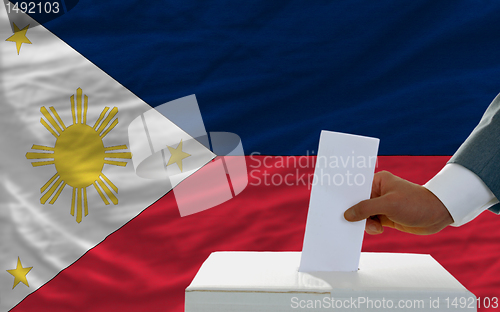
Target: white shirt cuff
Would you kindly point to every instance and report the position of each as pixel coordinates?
(462, 192)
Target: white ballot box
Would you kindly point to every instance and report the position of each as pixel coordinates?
(271, 282)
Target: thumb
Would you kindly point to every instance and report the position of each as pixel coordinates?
(366, 209)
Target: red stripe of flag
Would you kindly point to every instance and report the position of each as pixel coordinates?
(147, 264)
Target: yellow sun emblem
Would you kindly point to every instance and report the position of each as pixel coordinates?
(79, 155)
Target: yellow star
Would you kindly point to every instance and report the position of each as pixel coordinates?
(19, 37)
(19, 273)
(177, 155)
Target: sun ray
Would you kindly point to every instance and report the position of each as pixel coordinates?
(104, 199)
(115, 163)
(106, 121)
(49, 128)
(126, 155)
(42, 163)
(36, 155)
(47, 115)
(79, 105)
(117, 147)
(49, 182)
(115, 122)
(85, 107)
(72, 98)
(109, 182)
(103, 113)
(53, 200)
(53, 110)
(42, 148)
(51, 191)
(86, 204)
(79, 205)
(73, 202)
(108, 192)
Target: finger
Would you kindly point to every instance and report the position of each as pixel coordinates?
(373, 226)
(384, 221)
(376, 189)
(380, 180)
(367, 208)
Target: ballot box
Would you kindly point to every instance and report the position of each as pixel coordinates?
(271, 282)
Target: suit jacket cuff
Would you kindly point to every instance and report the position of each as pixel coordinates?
(480, 153)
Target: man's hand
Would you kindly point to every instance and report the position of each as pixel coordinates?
(402, 205)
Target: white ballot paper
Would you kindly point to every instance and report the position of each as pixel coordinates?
(342, 177)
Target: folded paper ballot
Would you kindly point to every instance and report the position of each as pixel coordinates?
(342, 178)
(271, 282)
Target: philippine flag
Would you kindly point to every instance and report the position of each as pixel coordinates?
(418, 75)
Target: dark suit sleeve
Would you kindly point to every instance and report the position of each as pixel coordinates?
(480, 153)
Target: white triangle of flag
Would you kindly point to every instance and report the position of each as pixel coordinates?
(67, 180)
